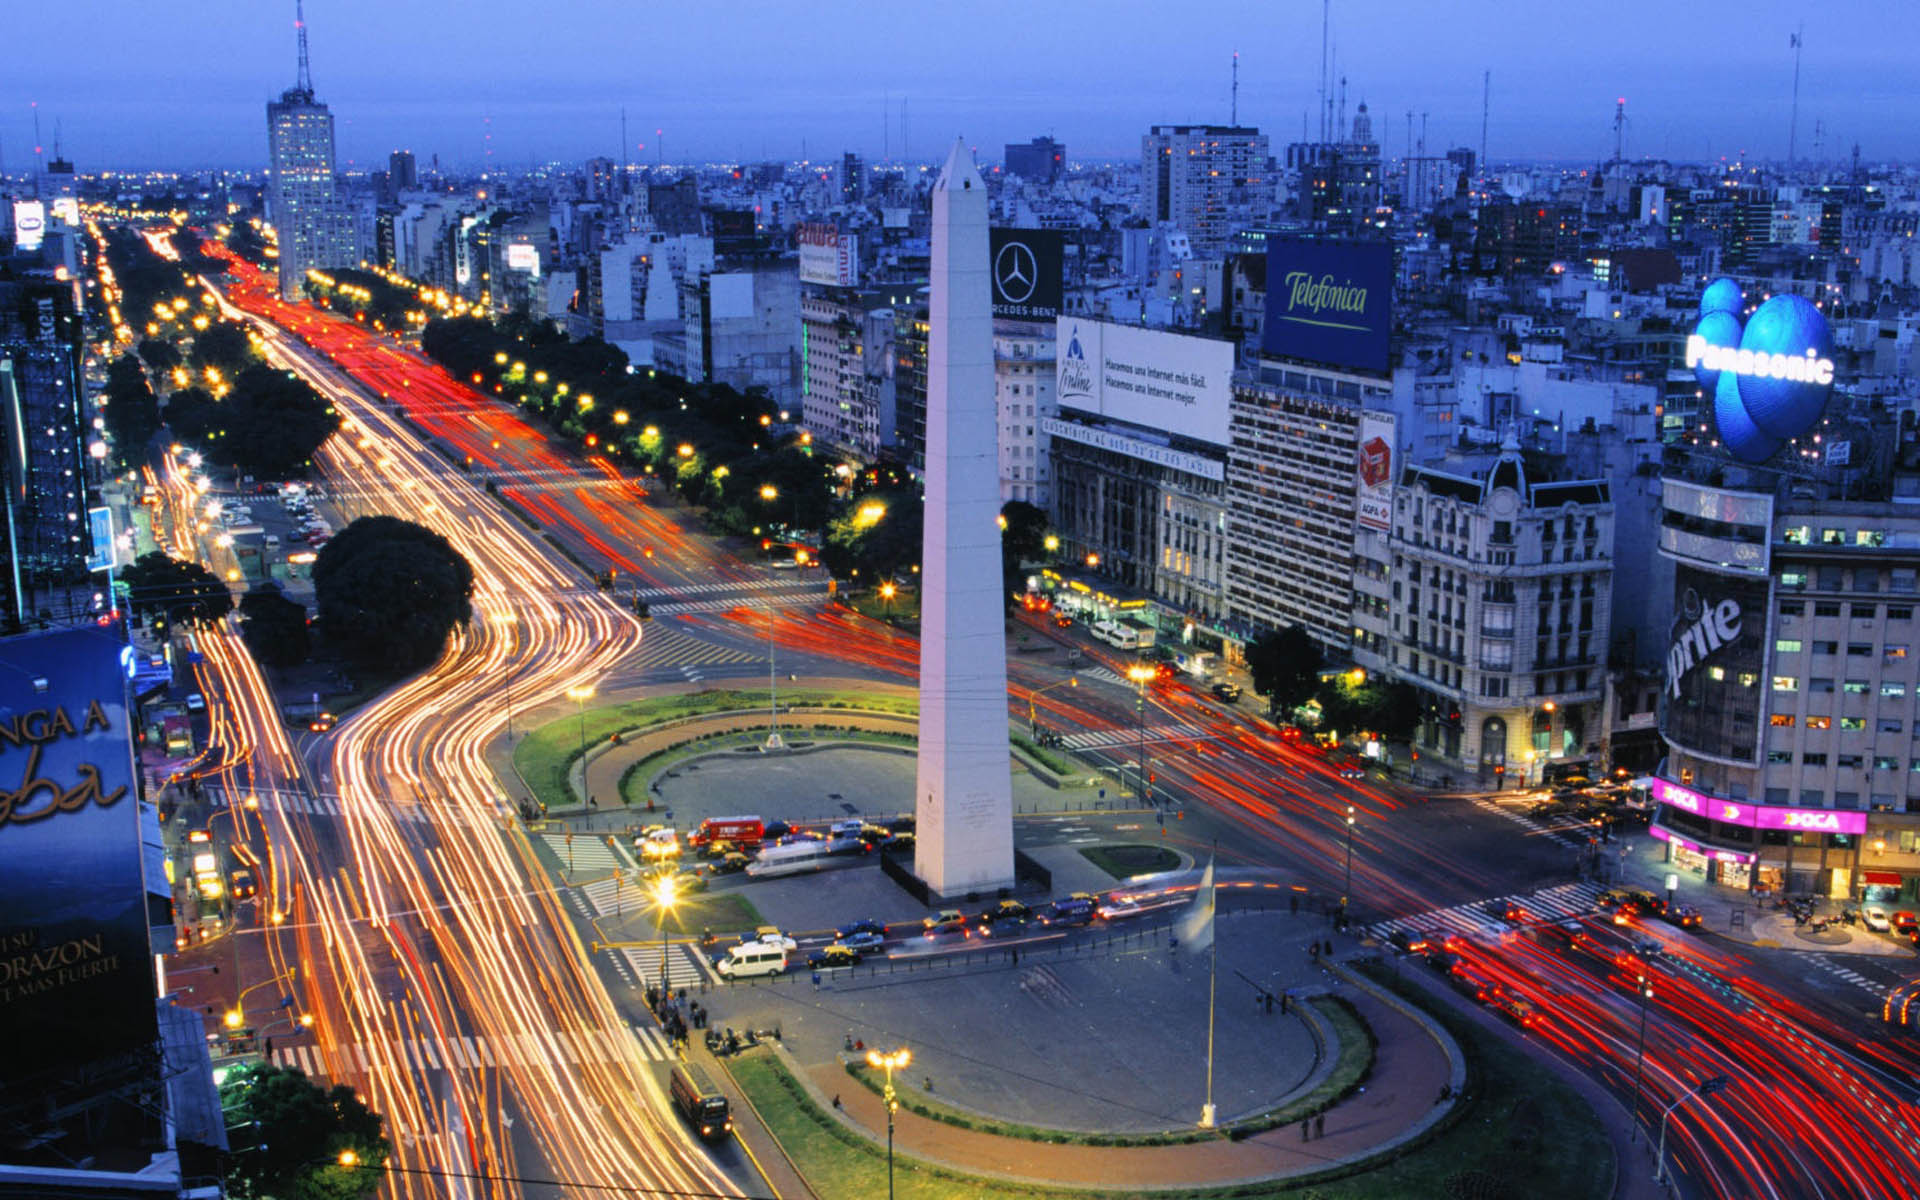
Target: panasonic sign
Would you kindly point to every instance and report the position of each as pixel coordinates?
(1758, 364)
(1716, 627)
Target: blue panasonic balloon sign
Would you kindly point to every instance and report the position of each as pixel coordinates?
(1770, 378)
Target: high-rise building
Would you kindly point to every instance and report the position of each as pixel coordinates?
(1206, 179)
(1041, 160)
(312, 228)
(853, 178)
(403, 174)
(44, 465)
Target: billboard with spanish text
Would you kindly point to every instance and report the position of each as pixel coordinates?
(1329, 302)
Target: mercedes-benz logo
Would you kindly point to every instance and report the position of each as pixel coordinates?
(1015, 273)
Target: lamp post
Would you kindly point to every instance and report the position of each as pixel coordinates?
(887, 592)
(896, 1061)
(1645, 988)
(1142, 675)
(580, 696)
(1033, 715)
(1346, 892)
(665, 896)
(1706, 1087)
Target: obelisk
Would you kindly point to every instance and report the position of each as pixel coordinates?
(964, 802)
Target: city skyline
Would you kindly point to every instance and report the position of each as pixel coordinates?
(1716, 82)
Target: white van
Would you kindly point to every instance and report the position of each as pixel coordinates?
(749, 959)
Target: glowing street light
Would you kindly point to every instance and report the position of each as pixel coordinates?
(1142, 674)
(1033, 716)
(666, 894)
(895, 1061)
(580, 696)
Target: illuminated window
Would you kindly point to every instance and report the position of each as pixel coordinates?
(1894, 651)
(1786, 646)
(1783, 721)
(1717, 674)
(1893, 691)
(1853, 724)
(1885, 762)
(1786, 683)
(1748, 678)
(1816, 722)
(1854, 687)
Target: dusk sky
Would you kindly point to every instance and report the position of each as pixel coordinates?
(136, 84)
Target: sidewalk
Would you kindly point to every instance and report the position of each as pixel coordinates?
(1411, 1065)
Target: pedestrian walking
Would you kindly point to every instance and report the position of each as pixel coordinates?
(836, 1102)
(1306, 1128)
(1320, 1125)
(1327, 949)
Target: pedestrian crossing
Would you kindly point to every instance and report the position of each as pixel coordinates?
(420, 1056)
(329, 804)
(664, 646)
(728, 603)
(1826, 963)
(589, 852)
(1102, 675)
(682, 591)
(1568, 831)
(1473, 919)
(686, 967)
(1101, 739)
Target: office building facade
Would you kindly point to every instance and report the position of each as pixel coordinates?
(1208, 180)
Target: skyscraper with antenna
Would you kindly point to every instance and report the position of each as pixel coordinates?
(312, 228)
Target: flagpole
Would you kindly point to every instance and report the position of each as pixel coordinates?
(1213, 976)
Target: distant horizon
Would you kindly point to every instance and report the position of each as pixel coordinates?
(1703, 83)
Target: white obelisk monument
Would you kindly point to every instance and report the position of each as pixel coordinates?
(964, 801)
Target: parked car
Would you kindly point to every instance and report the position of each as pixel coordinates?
(1229, 692)
(1875, 918)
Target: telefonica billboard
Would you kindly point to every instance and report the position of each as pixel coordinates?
(76, 981)
(1165, 381)
(1329, 302)
(1769, 377)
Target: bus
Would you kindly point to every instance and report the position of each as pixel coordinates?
(790, 859)
(1113, 633)
(702, 1104)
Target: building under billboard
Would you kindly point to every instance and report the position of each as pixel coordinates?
(104, 1089)
(43, 433)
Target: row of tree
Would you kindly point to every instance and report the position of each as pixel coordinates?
(1286, 666)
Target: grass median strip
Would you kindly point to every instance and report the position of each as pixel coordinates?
(1127, 860)
(548, 752)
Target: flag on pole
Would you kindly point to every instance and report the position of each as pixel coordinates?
(1195, 927)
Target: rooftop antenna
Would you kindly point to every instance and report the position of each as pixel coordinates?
(1233, 117)
(1325, 17)
(39, 155)
(1793, 123)
(303, 79)
(1340, 129)
(1819, 140)
(1620, 129)
(624, 160)
(1486, 95)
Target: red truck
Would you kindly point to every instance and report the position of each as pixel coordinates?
(749, 830)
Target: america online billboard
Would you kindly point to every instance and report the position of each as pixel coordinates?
(76, 969)
(1770, 375)
(1329, 302)
(1163, 381)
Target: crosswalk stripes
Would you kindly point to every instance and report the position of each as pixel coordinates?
(1852, 976)
(1102, 675)
(1554, 903)
(1099, 739)
(589, 852)
(424, 1055)
(685, 966)
(328, 804)
(789, 600)
(649, 595)
(1559, 831)
(666, 646)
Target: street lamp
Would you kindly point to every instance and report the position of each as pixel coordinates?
(1705, 1087)
(896, 1061)
(1347, 891)
(1645, 988)
(580, 696)
(665, 895)
(1142, 675)
(887, 593)
(1033, 717)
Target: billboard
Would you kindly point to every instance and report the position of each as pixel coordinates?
(1029, 266)
(1164, 381)
(1759, 816)
(828, 256)
(1375, 466)
(100, 533)
(1769, 376)
(1329, 302)
(73, 908)
(523, 256)
(67, 209)
(29, 224)
(1717, 681)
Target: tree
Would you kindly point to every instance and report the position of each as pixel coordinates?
(275, 627)
(131, 413)
(174, 591)
(288, 1137)
(270, 424)
(1285, 667)
(1023, 538)
(390, 591)
(1396, 714)
(158, 354)
(878, 536)
(223, 345)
